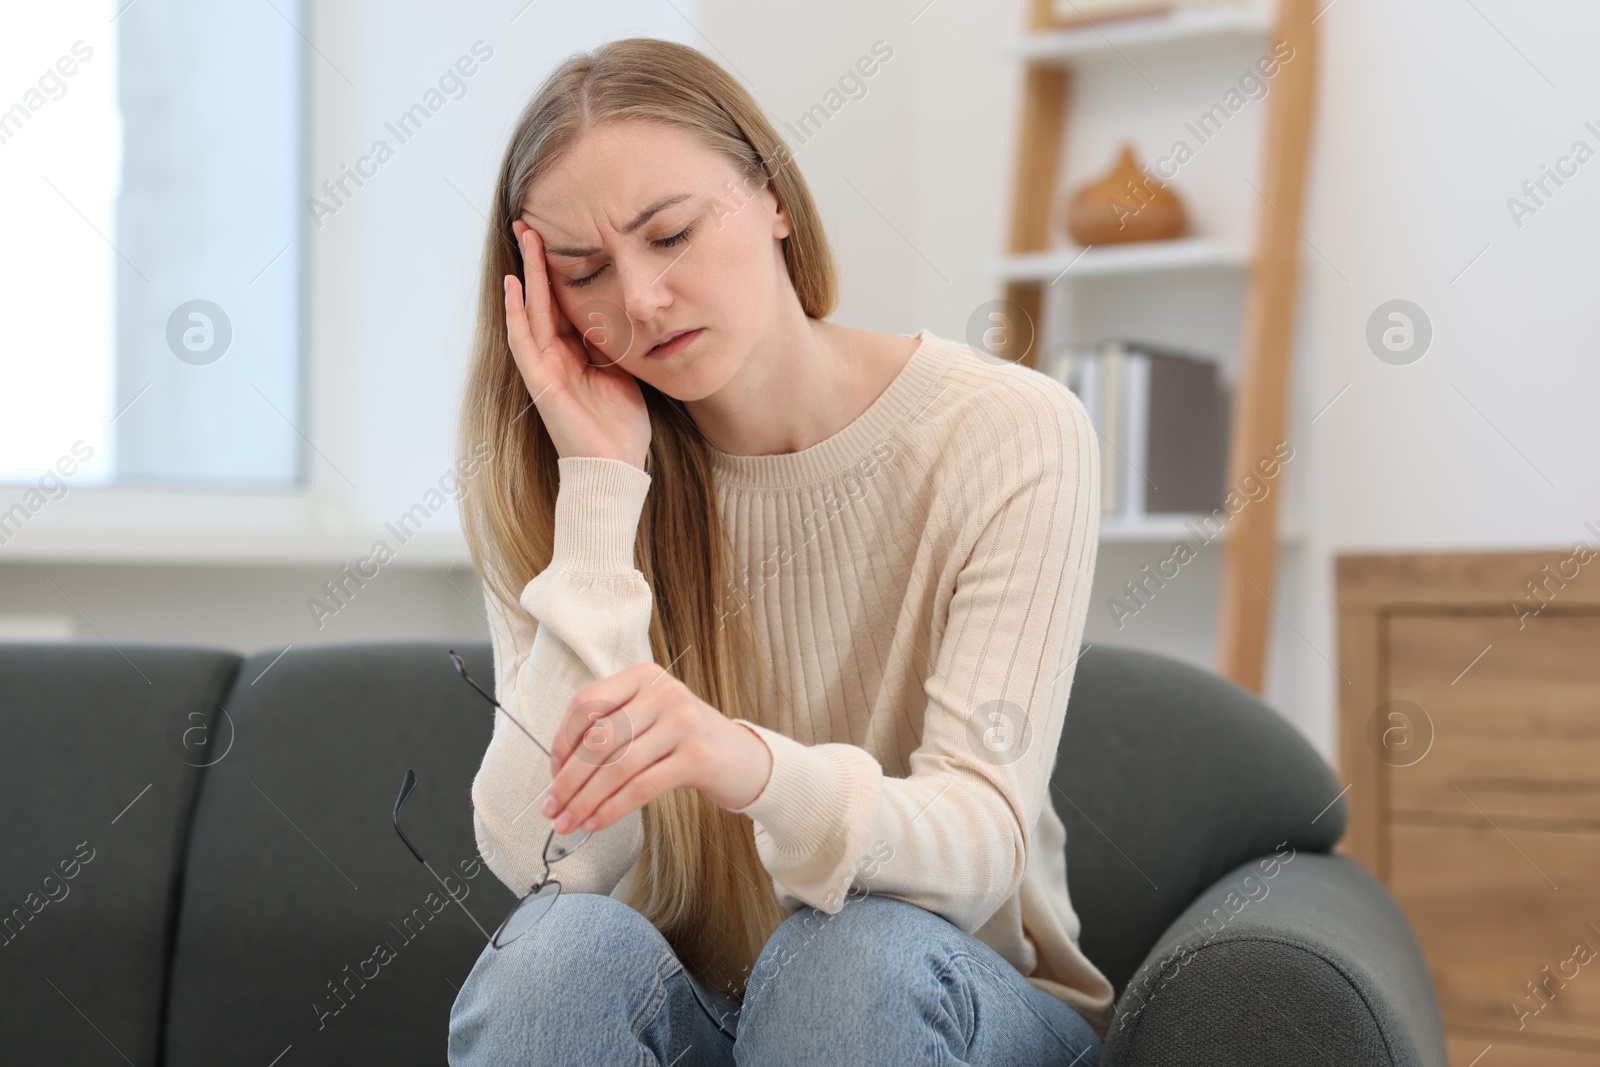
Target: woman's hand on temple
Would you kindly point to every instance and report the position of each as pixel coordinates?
(626, 739)
(589, 406)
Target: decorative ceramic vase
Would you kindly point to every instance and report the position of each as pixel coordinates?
(1126, 205)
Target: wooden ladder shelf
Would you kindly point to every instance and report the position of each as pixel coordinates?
(1262, 387)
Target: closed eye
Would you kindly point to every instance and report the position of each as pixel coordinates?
(665, 242)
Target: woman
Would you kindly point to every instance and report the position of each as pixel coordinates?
(796, 606)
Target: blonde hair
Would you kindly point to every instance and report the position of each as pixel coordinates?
(702, 883)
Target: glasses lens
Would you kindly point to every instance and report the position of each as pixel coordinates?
(560, 846)
(529, 910)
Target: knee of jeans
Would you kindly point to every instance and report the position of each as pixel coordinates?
(868, 933)
(586, 942)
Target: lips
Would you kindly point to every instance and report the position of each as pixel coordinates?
(667, 337)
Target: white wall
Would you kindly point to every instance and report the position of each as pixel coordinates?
(1431, 118)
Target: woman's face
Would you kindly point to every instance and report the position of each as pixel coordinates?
(648, 233)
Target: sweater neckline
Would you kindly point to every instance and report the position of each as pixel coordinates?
(829, 457)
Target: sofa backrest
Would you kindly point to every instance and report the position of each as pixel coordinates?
(1167, 778)
(98, 772)
(239, 812)
(306, 923)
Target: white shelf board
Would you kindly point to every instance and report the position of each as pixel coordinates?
(1139, 257)
(239, 548)
(1167, 527)
(1111, 36)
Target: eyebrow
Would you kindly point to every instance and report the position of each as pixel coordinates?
(583, 252)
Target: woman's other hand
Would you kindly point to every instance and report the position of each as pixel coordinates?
(625, 739)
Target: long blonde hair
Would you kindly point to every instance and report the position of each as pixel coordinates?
(702, 883)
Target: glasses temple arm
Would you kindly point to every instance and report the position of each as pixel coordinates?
(462, 670)
(406, 787)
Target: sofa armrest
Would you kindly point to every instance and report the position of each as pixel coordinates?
(1311, 963)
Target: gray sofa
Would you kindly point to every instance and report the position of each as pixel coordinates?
(198, 864)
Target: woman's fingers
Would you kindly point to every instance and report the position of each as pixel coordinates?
(601, 740)
(536, 285)
(601, 727)
(640, 789)
(603, 696)
(521, 340)
(529, 324)
(603, 781)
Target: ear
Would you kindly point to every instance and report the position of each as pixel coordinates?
(782, 225)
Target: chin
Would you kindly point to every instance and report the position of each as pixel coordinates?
(688, 382)
(682, 388)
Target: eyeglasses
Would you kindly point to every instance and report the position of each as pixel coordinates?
(536, 901)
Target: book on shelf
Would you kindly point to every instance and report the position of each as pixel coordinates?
(1162, 415)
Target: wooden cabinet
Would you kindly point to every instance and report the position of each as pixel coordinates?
(1470, 739)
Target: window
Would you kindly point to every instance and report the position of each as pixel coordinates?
(152, 253)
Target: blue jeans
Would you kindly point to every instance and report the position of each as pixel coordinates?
(882, 981)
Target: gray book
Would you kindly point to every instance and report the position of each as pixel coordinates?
(1174, 432)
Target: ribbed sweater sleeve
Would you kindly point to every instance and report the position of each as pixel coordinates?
(958, 828)
(585, 616)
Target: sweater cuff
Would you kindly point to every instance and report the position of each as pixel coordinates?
(598, 504)
(800, 797)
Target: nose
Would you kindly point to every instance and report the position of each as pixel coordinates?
(646, 288)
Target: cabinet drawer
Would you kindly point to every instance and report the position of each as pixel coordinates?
(1517, 735)
(1491, 912)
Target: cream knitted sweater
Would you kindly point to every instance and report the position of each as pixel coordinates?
(919, 582)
